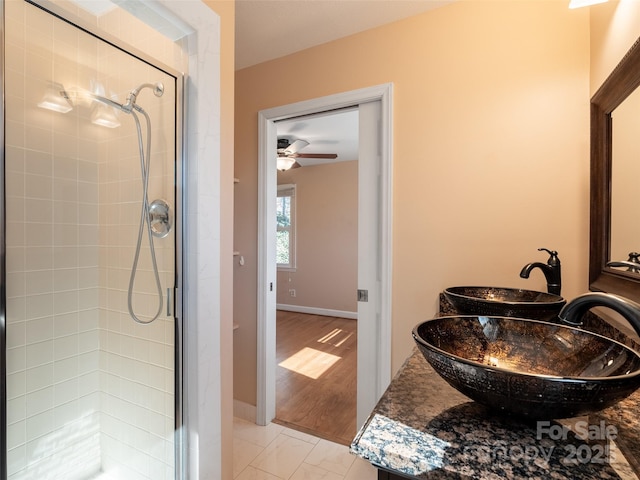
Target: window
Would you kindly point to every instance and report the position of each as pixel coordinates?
(286, 234)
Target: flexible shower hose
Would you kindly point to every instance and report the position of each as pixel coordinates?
(145, 161)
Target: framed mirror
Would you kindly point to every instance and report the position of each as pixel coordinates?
(615, 163)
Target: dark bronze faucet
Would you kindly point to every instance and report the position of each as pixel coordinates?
(632, 264)
(551, 271)
(573, 311)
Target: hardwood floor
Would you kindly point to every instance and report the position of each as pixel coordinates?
(316, 375)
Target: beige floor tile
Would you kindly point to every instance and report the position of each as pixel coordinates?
(244, 452)
(361, 470)
(283, 456)
(312, 472)
(275, 452)
(331, 456)
(300, 435)
(256, 434)
(251, 473)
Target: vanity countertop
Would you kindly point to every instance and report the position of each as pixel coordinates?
(424, 428)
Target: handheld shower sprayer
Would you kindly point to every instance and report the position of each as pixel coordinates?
(130, 107)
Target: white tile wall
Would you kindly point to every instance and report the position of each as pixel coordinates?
(88, 389)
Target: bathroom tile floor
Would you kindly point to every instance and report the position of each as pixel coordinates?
(276, 452)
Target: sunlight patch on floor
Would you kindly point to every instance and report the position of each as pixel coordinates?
(310, 362)
(336, 338)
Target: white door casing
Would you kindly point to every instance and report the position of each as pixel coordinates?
(368, 264)
(374, 255)
(266, 324)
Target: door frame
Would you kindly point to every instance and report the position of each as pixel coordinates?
(380, 353)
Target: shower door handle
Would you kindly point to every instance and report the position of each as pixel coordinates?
(173, 301)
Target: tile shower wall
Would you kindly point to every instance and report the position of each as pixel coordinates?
(137, 360)
(53, 377)
(88, 389)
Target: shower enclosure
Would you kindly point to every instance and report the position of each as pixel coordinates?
(91, 380)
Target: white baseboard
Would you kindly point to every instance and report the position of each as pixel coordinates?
(318, 311)
(244, 411)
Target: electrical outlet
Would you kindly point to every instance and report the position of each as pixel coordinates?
(292, 292)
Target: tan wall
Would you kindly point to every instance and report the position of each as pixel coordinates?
(326, 273)
(491, 156)
(615, 26)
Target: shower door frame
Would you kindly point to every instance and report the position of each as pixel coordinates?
(180, 437)
(3, 251)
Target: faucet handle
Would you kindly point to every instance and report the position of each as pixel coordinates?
(553, 256)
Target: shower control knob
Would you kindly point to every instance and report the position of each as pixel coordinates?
(160, 218)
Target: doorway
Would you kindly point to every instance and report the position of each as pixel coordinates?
(317, 274)
(374, 245)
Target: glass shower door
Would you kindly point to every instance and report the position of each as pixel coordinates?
(90, 391)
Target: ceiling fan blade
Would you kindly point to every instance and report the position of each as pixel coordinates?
(329, 156)
(296, 146)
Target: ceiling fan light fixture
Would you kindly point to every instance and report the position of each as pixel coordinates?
(296, 147)
(285, 163)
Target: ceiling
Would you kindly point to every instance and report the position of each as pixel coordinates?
(334, 132)
(268, 29)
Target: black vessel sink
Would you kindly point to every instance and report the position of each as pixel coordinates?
(529, 368)
(504, 302)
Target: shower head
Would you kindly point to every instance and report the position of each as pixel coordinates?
(158, 90)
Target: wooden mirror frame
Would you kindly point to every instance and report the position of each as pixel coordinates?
(624, 79)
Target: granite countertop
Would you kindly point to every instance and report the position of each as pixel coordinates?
(424, 428)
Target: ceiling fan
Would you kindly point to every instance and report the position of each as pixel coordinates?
(288, 152)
